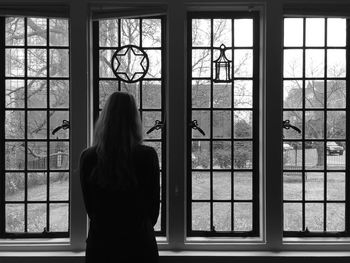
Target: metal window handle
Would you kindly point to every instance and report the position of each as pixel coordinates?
(194, 125)
(286, 125)
(157, 125)
(65, 125)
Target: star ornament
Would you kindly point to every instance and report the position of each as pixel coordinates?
(130, 63)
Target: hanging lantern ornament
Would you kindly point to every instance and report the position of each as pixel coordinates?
(222, 66)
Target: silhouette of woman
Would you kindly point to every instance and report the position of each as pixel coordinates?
(120, 183)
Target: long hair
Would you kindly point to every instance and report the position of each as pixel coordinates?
(118, 130)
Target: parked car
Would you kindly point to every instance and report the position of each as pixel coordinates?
(287, 146)
(334, 148)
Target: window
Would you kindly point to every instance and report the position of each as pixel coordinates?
(223, 170)
(315, 162)
(144, 34)
(35, 100)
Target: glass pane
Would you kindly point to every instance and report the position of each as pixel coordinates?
(106, 88)
(243, 152)
(59, 63)
(243, 216)
(336, 32)
(201, 32)
(243, 32)
(292, 186)
(336, 63)
(59, 32)
(105, 68)
(222, 216)
(14, 155)
(59, 93)
(133, 89)
(59, 217)
(148, 120)
(243, 186)
(314, 155)
(37, 155)
(243, 63)
(314, 217)
(201, 94)
(151, 94)
(14, 217)
(203, 119)
(243, 94)
(296, 119)
(108, 30)
(314, 124)
(314, 63)
(36, 217)
(221, 124)
(314, 94)
(336, 94)
(59, 155)
(222, 32)
(294, 32)
(14, 124)
(37, 186)
(314, 186)
(37, 124)
(336, 186)
(336, 124)
(14, 93)
(155, 64)
(292, 155)
(221, 186)
(56, 120)
(293, 63)
(14, 62)
(222, 155)
(221, 95)
(315, 31)
(59, 186)
(292, 219)
(14, 187)
(200, 155)
(336, 155)
(36, 31)
(157, 227)
(201, 63)
(336, 217)
(14, 28)
(243, 124)
(201, 216)
(200, 186)
(151, 33)
(130, 32)
(37, 93)
(292, 94)
(37, 62)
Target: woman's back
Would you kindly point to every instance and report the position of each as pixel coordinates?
(122, 220)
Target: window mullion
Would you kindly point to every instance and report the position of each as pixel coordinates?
(2, 132)
(273, 124)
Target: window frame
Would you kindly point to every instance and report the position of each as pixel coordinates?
(254, 15)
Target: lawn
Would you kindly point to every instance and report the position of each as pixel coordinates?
(37, 212)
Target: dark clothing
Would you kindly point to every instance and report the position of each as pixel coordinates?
(121, 221)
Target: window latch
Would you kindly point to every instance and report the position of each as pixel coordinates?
(157, 125)
(194, 125)
(286, 125)
(65, 125)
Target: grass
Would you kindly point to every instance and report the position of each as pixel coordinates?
(37, 212)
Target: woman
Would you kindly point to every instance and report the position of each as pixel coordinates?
(120, 182)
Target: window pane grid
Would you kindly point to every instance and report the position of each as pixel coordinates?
(320, 150)
(149, 92)
(215, 208)
(40, 163)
